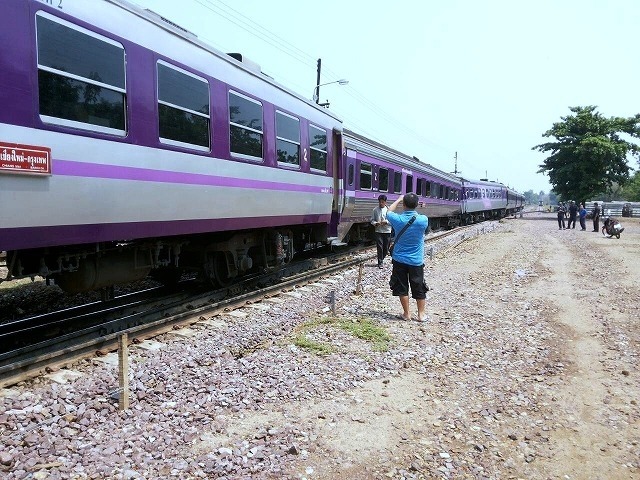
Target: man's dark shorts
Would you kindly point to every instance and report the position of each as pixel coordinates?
(404, 276)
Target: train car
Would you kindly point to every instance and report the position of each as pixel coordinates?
(484, 200)
(515, 202)
(127, 146)
(370, 168)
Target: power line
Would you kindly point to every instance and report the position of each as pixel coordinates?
(245, 23)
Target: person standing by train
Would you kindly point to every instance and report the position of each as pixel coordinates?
(596, 217)
(382, 232)
(408, 255)
(583, 217)
(573, 210)
(561, 213)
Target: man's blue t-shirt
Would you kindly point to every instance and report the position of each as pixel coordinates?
(410, 249)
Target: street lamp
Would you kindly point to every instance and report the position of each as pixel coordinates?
(316, 91)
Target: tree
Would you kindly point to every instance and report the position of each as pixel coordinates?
(530, 197)
(589, 157)
(631, 191)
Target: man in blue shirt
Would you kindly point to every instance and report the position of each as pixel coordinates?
(408, 255)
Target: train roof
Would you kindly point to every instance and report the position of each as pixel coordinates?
(484, 181)
(237, 59)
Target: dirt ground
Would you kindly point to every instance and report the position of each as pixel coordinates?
(527, 369)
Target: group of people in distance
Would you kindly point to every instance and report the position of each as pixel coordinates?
(407, 254)
(571, 211)
(407, 247)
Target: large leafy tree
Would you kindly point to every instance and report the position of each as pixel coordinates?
(589, 156)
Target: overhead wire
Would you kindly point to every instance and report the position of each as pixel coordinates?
(245, 23)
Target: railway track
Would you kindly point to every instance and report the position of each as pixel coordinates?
(39, 344)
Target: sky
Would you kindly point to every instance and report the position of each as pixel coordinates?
(480, 80)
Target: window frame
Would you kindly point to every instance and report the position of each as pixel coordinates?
(397, 182)
(64, 122)
(368, 174)
(298, 165)
(178, 143)
(312, 148)
(351, 174)
(380, 170)
(239, 155)
(408, 184)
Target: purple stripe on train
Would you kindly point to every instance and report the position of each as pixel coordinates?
(35, 237)
(83, 169)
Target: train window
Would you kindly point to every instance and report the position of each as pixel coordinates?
(245, 120)
(446, 193)
(428, 191)
(183, 107)
(409, 184)
(318, 148)
(81, 77)
(397, 182)
(420, 186)
(365, 176)
(351, 174)
(287, 139)
(383, 180)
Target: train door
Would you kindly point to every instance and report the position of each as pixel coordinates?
(348, 195)
(339, 156)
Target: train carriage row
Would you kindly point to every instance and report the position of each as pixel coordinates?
(128, 146)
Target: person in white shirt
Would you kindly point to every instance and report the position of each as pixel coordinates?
(382, 232)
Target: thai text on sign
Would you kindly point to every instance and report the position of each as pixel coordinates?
(16, 158)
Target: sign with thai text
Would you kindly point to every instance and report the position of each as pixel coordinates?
(28, 159)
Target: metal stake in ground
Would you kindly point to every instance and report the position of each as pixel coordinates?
(123, 371)
(359, 284)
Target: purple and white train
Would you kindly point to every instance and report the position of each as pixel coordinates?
(130, 147)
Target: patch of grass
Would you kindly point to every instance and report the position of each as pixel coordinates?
(365, 329)
(301, 341)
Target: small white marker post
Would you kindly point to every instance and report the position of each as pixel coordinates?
(123, 371)
(359, 285)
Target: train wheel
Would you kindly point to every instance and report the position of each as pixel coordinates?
(217, 269)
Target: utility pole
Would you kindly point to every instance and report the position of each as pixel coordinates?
(455, 168)
(318, 82)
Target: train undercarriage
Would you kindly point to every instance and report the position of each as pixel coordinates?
(217, 258)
